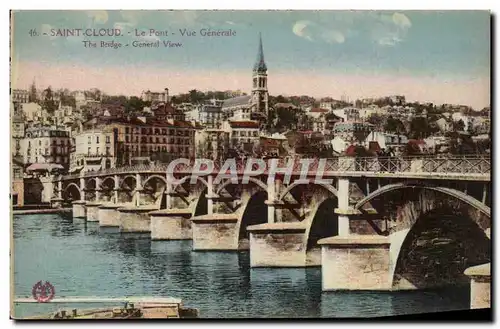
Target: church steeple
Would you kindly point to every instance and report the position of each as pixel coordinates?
(260, 95)
(260, 64)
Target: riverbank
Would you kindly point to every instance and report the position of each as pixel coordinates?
(41, 211)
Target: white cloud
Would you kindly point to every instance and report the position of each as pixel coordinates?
(401, 20)
(391, 29)
(312, 32)
(333, 36)
(301, 29)
(385, 29)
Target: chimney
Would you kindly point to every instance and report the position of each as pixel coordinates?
(166, 95)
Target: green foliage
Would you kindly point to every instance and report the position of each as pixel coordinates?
(393, 125)
(420, 128)
(48, 103)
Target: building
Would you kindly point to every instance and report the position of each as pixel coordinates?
(352, 131)
(17, 188)
(243, 134)
(20, 96)
(94, 150)
(17, 130)
(144, 140)
(32, 111)
(377, 141)
(46, 144)
(155, 96)
(255, 106)
(212, 143)
(211, 116)
(165, 111)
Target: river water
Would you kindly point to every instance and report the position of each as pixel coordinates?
(80, 259)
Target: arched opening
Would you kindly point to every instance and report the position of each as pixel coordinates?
(71, 193)
(438, 248)
(107, 186)
(254, 213)
(201, 206)
(127, 188)
(90, 187)
(154, 188)
(324, 223)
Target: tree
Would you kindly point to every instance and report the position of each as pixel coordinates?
(459, 125)
(394, 125)
(32, 95)
(376, 120)
(420, 128)
(48, 103)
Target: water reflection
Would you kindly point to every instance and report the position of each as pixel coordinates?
(80, 259)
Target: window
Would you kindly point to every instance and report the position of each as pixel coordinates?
(97, 139)
(88, 151)
(127, 130)
(127, 139)
(97, 150)
(107, 139)
(107, 151)
(90, 139)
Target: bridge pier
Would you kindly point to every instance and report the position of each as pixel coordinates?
(480, 286)
(135, 219)
(343, 206)
(215, 232)
(56, 202)
(79, 210)
(108, 215)
(278, 245)
(92, 209)
(171, 224)
(360, 262)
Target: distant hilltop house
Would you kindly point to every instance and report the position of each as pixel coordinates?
(155, 96)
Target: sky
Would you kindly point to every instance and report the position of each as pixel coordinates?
(434, 56)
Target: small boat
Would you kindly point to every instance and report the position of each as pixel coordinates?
(131, 308)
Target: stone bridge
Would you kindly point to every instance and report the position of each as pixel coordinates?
(371, 223)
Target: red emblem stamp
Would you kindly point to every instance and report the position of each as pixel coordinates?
(43, 292)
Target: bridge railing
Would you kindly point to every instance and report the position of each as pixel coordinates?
(414, 164)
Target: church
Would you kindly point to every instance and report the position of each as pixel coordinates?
(255, 106)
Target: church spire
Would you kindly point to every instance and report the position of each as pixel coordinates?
(260, 64)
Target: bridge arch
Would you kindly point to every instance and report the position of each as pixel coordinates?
(445, 190)
(104, 182)
(252, 211)
(290, 187)
(153, 177)
(125, 178)
(435, 233)
(228, 182)
(435, 251)
(186, 178)
(72, 191)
